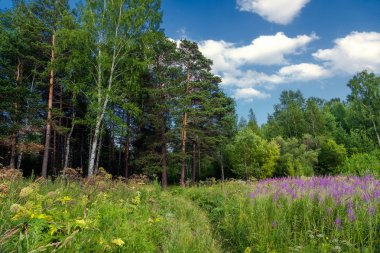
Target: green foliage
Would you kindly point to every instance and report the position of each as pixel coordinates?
(252, 156)
(296, 158)
(331, 156)
(362, 164)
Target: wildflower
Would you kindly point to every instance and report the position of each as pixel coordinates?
(351, 214)
(118, 242)
(329, 211)
(26, 191)
(15, 208)
(156, 220)
(371, 210)
(252, 195)
(248, 250)
(137, 198)
(80, 223)
(338, 222)
(65, 199)
(274, 224)
(41, 216)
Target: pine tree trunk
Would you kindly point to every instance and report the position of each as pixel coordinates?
(53, 161)
(126, 168)
(61, 139)
(12, 161)
(19, 159)
(164, 175)
(49, 114)
(193, 164)
(221, 167)
(184, 128)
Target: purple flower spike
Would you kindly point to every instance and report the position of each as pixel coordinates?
(338, 222)
(371, 210)
(351, 214)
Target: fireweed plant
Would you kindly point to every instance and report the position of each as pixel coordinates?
(316, 214)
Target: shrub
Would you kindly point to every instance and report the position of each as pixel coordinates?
(362, 164)
(331, 156)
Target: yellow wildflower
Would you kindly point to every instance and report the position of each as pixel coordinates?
(41, 216)
(248, 250)
(65, 199)
(156, 220)
(81, 223)
(118, 242)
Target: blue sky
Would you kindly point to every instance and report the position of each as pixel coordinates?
(262, 47)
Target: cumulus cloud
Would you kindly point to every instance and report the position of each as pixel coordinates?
(298, 72)
(353, 53)
(277, 11)
(248, 94)
(264, 50)
(249, 78)
(303, 72)
(234, 62)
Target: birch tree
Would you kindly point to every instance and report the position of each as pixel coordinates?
(113, 27)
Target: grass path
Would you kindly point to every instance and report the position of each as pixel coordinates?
(190, 225)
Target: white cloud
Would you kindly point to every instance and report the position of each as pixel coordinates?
(234, 62)
(303, 72)
(292, 73)
(277, 11)
(264, 50)
(353, 53)
(249, 78)
(248, 94)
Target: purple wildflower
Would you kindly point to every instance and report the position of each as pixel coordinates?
(274, 224)
(371, 210)
(338, 222)
(351, 214)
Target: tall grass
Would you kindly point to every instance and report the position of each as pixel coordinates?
(335, 214)
(318, 214)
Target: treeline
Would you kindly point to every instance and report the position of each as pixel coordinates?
(102, 86)
(313, 136)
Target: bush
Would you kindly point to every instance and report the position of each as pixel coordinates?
(331, 156)
(362, 164)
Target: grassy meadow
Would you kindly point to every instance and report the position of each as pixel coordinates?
(317, 214)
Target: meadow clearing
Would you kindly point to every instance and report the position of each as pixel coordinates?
(315, 214)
